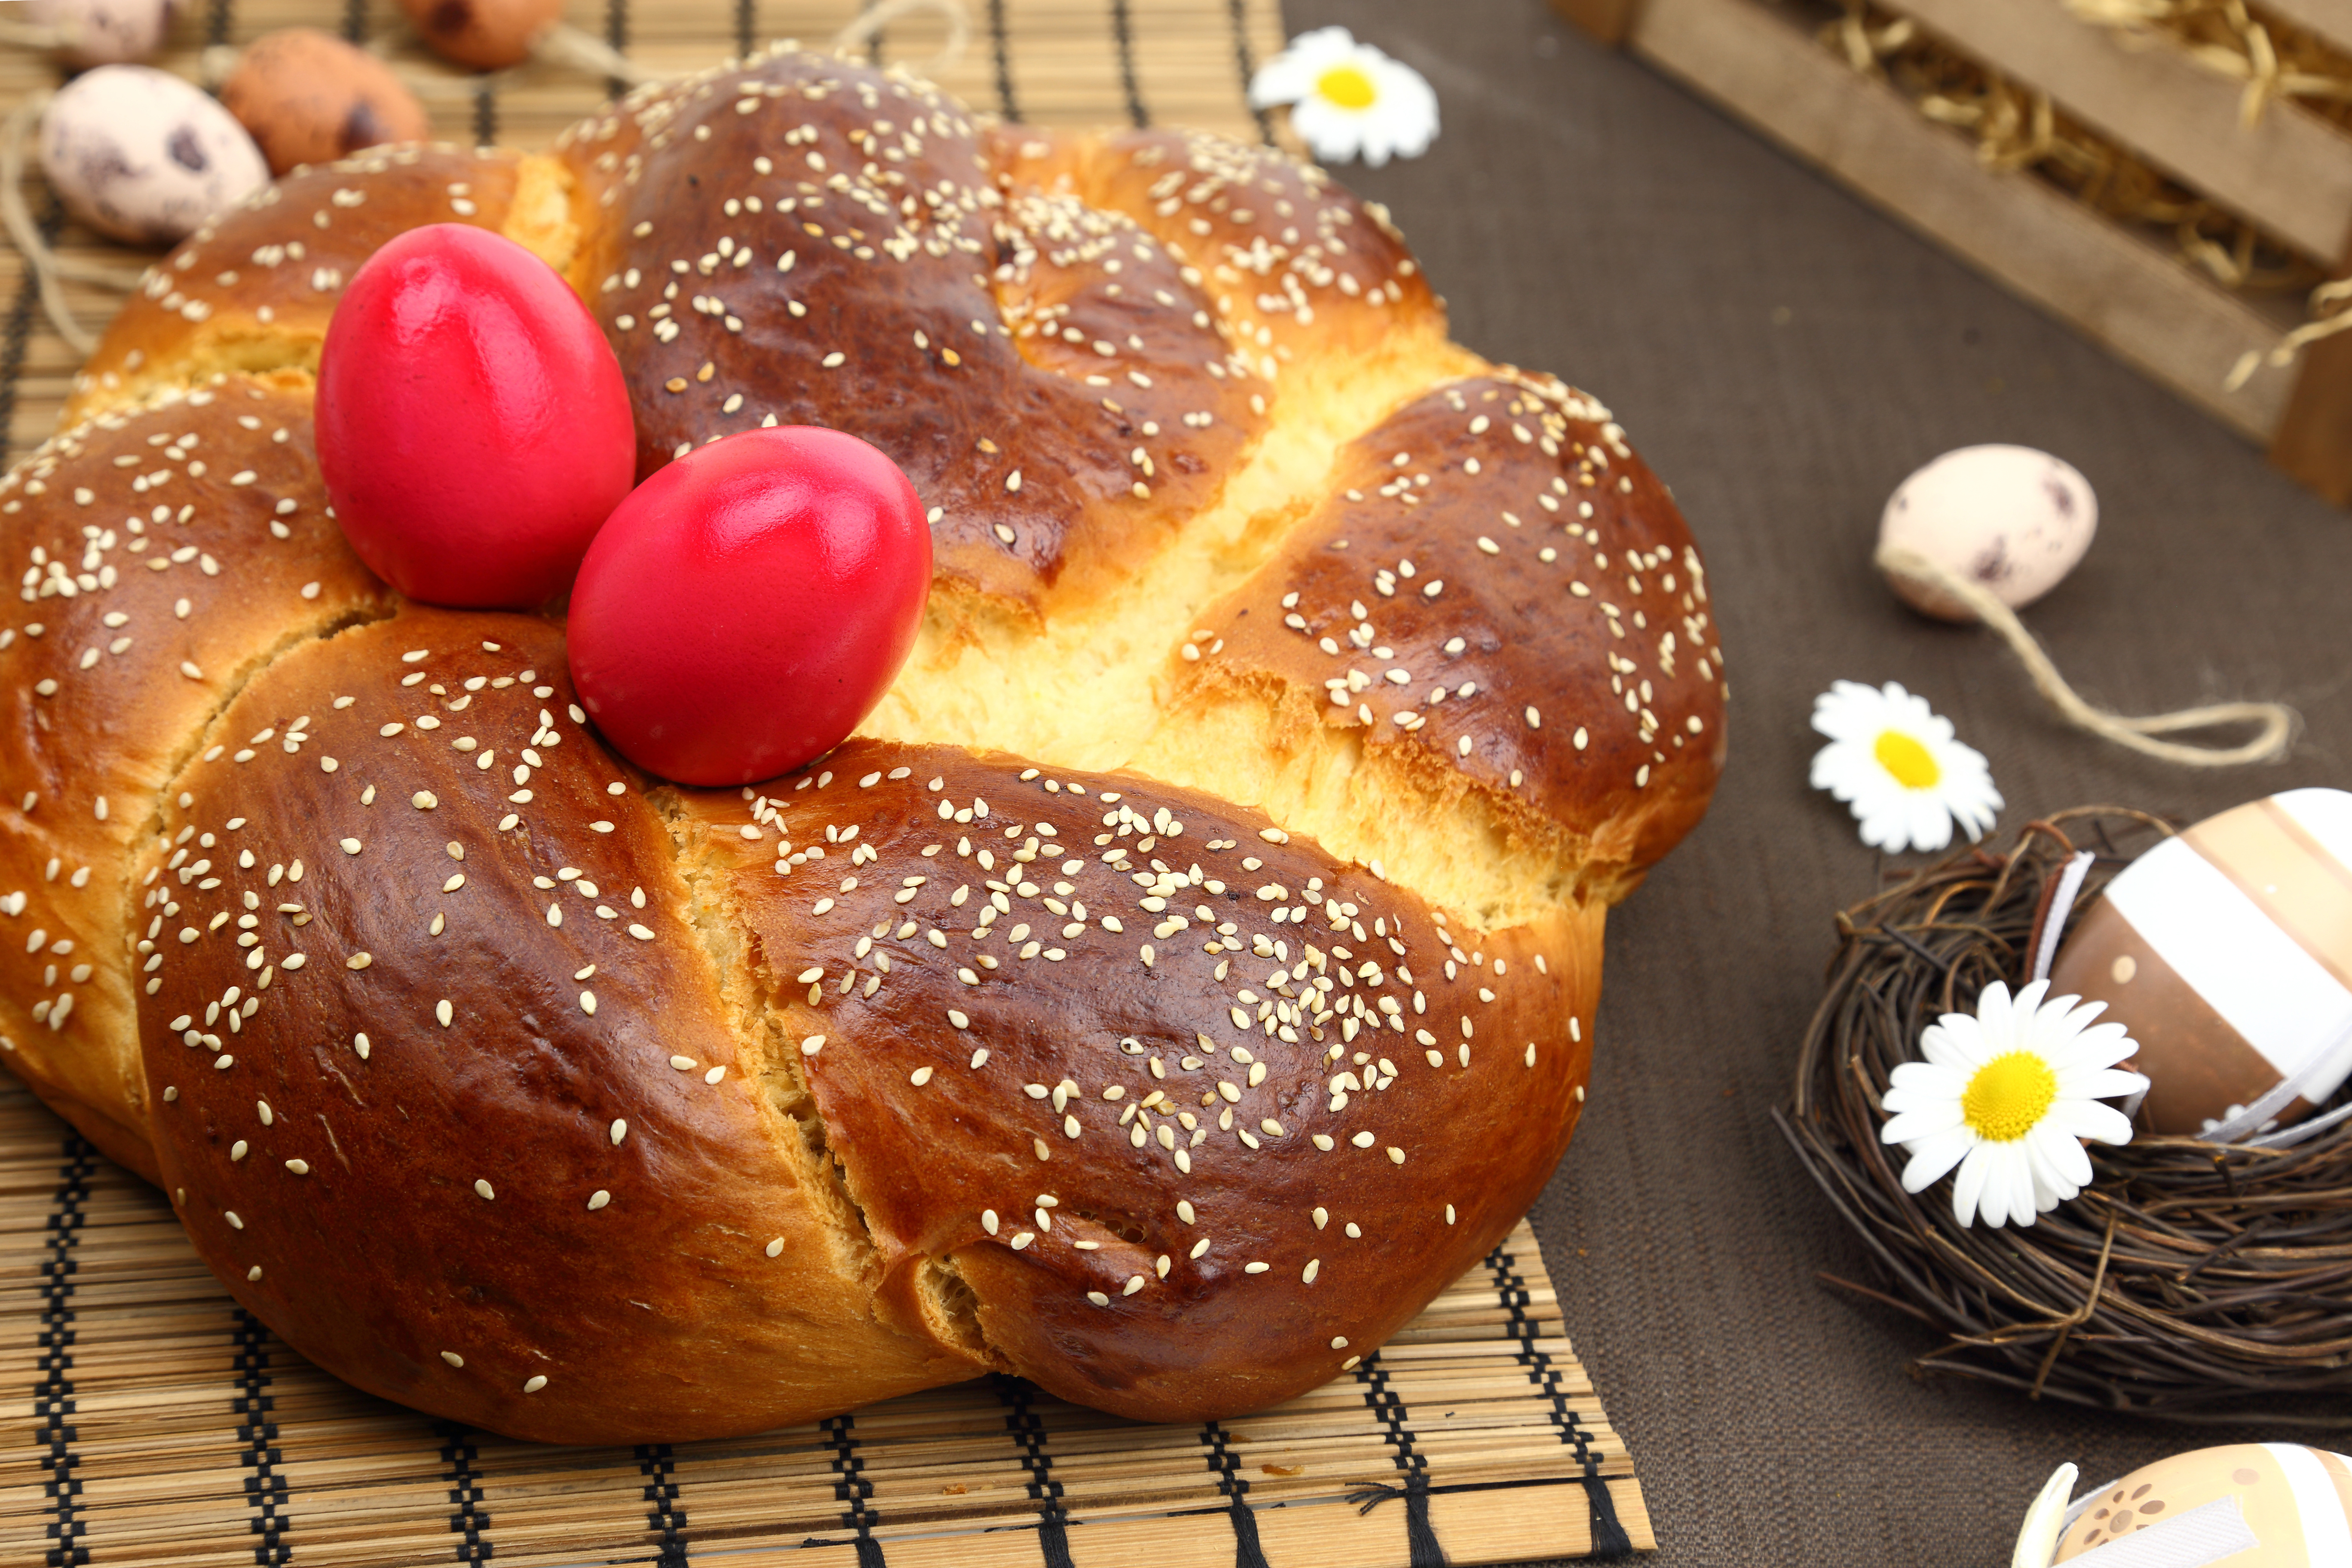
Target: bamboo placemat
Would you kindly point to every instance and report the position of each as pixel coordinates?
(145, 1419)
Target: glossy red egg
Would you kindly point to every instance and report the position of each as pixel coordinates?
(474, 430)
(749, 604)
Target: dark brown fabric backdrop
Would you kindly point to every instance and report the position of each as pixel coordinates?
(1784, 355)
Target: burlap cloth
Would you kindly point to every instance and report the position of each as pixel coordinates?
(1784, 354)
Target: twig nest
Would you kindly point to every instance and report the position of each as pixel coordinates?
(2225, 953)
(486, 35)
(144, 156)
(2265, 1505)
(308, 97)
(104, 32)
(2010, 518)
(2186, 1278)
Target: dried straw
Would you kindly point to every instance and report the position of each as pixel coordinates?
(2018, 128)
(2191, 1281)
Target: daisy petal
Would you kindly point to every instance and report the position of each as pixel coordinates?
(1932, 1156)
(1970, 1185)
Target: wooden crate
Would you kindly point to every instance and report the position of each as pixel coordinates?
(2289, 175)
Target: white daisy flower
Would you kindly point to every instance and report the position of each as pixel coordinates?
(2008, 1094)
(1349, 98)
(1897, 765)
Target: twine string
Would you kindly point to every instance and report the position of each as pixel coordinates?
(2274, 723)
(871, 22)
(567, 47)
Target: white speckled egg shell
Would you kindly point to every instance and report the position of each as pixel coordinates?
(105, 32)
(144, 156)
(2010, 518)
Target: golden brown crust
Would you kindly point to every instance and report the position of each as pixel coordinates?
(348, 1213)
(161, 556)
(1304, 276)
(1209, 489)
(1201, 1117)
(252, 290)
(1055, 388)
(1486, 562)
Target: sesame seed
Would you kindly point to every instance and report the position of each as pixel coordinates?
(775, 1247)
(358, 961)
(619, 1131)
(598, 1199)
(813, 1045)
(1314, 1266)
(443, 1012)
(482, 1190)
(1255, 1268)
(1098, 1298)
(300, 1167)
(535, 1384)
(453, 1358)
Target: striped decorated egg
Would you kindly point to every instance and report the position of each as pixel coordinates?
(2227, 953)
(2247, 1505)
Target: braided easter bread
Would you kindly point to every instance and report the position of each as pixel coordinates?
(1188, 969)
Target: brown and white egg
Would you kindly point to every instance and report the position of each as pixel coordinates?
(2248, 1505)
(2010, 518)
(142, 155)
(2227, 953)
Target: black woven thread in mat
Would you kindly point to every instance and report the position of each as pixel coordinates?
(1029, 1434)
(53, 1403)
(853, 1488)
(1610, 1542)
(1396, 1421)
(266, 1492)
(659, 1464)
(470, 1521)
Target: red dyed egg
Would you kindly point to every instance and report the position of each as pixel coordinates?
(474, 430)
(749, 603)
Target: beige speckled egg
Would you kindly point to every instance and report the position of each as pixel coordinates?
(2248, 1505)
(2011, 518)
(487, 34)
(142, 155)
(2227, 954)
(310, 97)
(105, 32)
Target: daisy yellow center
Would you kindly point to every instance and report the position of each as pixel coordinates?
(1346, 86)
(2007, 1096)
(1913, 765)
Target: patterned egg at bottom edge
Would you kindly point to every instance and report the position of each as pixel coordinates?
(2248, 1505)
(2227, 953)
